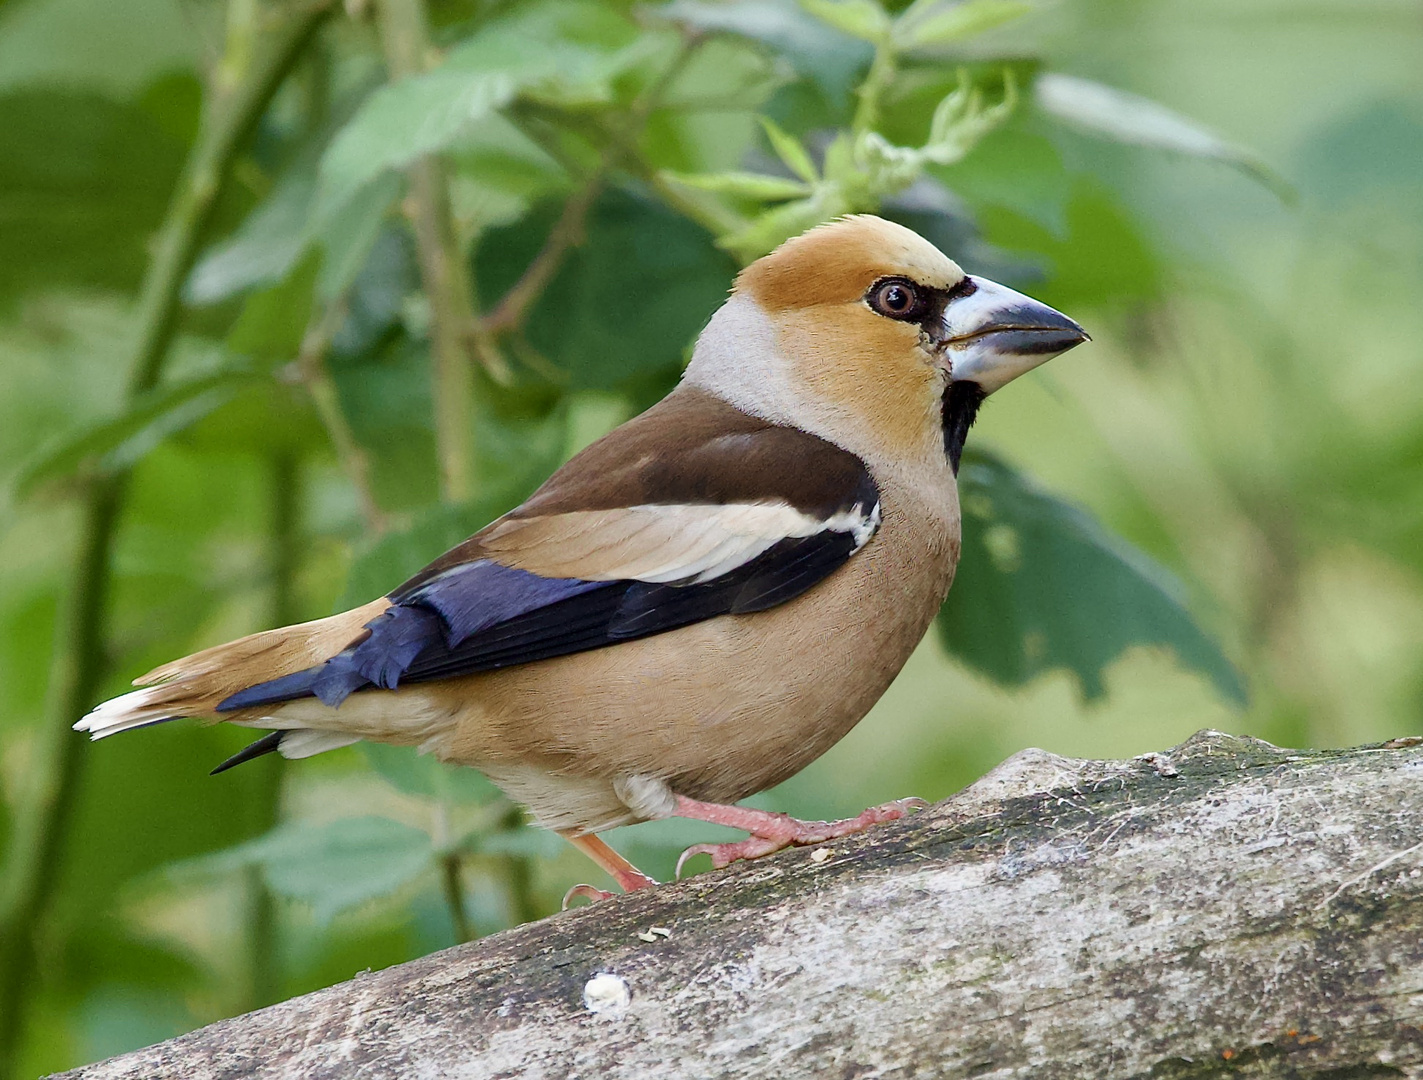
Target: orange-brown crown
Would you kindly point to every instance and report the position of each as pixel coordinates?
(837, 262)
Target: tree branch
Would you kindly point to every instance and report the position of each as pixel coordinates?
(1226, 907)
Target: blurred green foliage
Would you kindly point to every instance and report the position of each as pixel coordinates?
(1227, 195)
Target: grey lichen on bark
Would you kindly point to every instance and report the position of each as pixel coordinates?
(1223, 908)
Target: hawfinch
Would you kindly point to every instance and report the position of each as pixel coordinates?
(699, 604)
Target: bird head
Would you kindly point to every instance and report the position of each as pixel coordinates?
(863, 332)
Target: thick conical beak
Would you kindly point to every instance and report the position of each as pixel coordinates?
(993, 334)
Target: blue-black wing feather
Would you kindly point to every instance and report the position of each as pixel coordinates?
(483, 616)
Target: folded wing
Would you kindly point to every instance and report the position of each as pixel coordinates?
(714, 514)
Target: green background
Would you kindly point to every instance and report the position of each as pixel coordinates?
(1211, 516)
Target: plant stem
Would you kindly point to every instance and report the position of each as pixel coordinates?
(519, 874)
(568, 232)
(405, 39)
(453, 882)
(451, 863)
(76, 672)
(703, 207)
(284, 536)
(569, 229)
(233, 114)
(284, 558)
(877, 81)
(311, 370)
(234, 108)
(444, 273)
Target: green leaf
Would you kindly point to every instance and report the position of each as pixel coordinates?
(127, 1015)
(347, 236)
(780, 223)
(421, 774)
(1102, 260)
(1015, 169)
(332, 867)
(1127, 118)
(402, 121)
(528, 841)
(120, 441)
(346, 863)
(743, 185)
(122, 828)
(789, 149)
(817, 51)
(83, 184)
(273, 321)
(597, 320)
(498, 173)
(1041, 585)
(940, 24)
(96, 45)
(274, 237)
(263, 249)
(1373, 151)
(962, 119)
(562, 53)
(840, 165)
(863, 19)
(6, 831)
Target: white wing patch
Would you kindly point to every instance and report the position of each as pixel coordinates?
(662, 543)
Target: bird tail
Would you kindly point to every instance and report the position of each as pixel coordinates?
(194, 685)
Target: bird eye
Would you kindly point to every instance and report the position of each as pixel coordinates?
(896, 299)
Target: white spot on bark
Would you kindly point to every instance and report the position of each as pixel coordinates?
(606, 993)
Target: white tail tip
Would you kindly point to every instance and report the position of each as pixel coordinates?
(131, 710)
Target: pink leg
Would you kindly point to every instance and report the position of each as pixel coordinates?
(619, 869)
(771, 832)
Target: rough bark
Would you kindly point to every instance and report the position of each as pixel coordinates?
(1227, 907)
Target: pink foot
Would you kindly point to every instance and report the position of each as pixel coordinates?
(619, 869)
(771, 832)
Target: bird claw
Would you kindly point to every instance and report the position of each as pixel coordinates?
(904, 805)
(783, 831)
(588, 892)
(723, 855)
